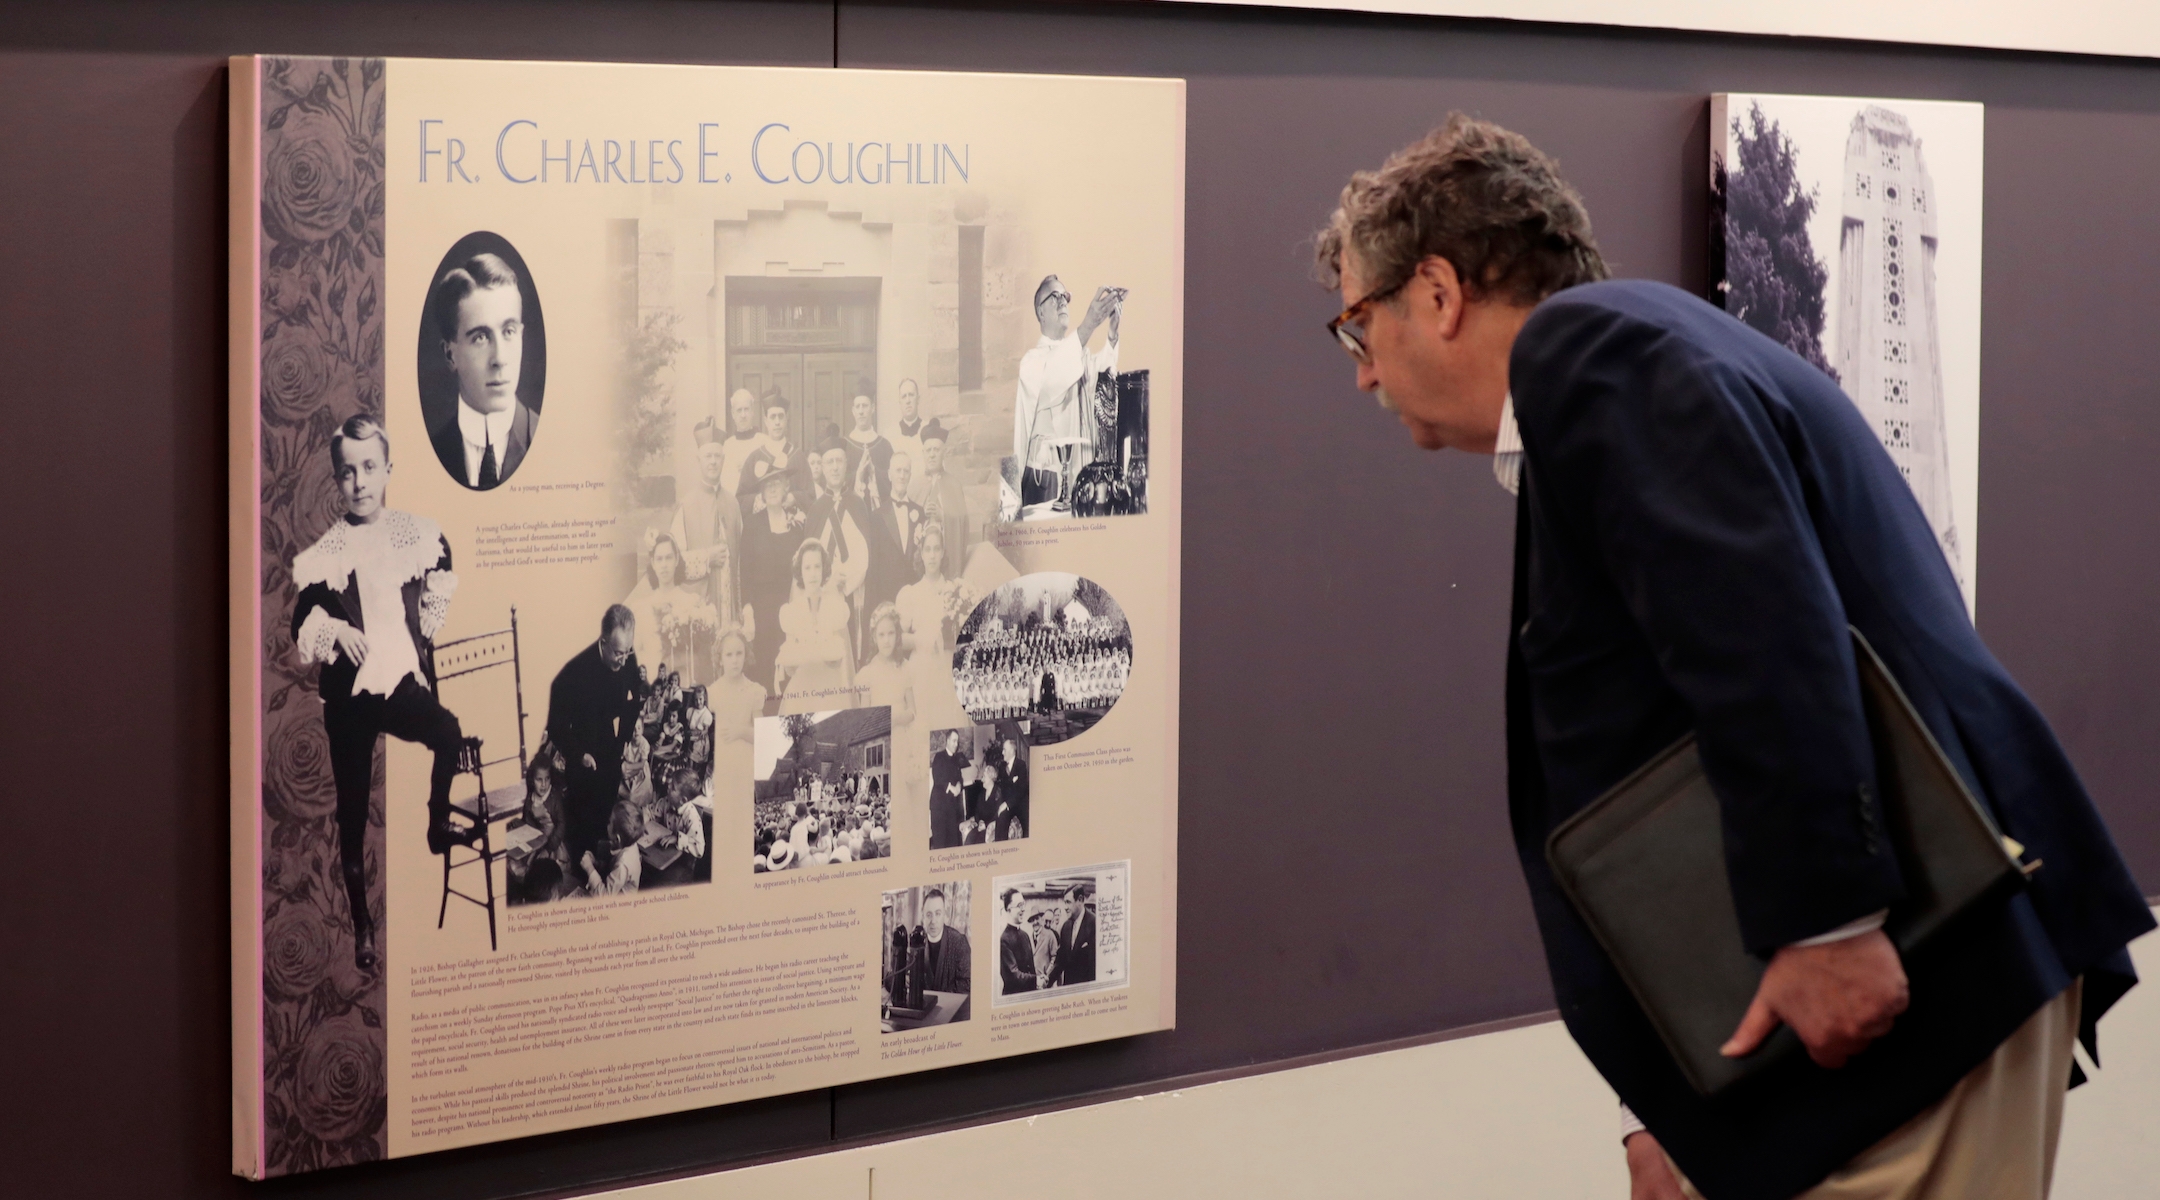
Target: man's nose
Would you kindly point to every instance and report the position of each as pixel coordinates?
(1368, 377)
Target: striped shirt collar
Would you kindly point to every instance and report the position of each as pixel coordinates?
(1507, 449)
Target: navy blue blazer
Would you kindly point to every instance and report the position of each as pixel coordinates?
(1702, 514)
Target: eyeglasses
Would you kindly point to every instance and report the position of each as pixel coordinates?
(1348, 326)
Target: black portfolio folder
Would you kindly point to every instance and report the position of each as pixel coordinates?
(1644, 865)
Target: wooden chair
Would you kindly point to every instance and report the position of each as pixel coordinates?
(474, 817)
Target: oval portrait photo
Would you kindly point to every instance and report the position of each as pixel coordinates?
(483, 360)
(1048, 652)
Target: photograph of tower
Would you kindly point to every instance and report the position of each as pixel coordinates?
(1848, 230)
(1889, 355)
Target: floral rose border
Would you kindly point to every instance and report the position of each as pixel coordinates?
(325, 1053)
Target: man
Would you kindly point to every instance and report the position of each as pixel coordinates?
(480, 316)
(908, 437)
(1046, 946)
(948, 965)
(947, 793)
(744, 436)
(1076, 941)
(708, 527)
(885, 521)
(802, 827)
(1016, 950)
(1009, 807)
(840, 518)
(372, 592)
(902, 518)
(1699, 516)
(592, 714)
(864, 441)
(777, 453)
(1053, 423)
(942, 501)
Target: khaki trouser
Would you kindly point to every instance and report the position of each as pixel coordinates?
(1991, 1138)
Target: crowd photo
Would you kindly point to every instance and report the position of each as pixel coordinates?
(927, 964)
(978, 785)
(1049, 652)
(619, 793)
(1050, 927)
(821, 789)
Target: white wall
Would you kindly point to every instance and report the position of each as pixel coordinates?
(1512, 1114)
(2125, 27)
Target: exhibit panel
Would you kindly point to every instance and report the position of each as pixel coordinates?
(779, 542)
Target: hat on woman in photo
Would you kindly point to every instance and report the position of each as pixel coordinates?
(781, 857)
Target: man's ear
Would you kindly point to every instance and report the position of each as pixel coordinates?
(1446, 298)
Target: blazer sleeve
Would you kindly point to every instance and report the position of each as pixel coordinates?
(1678, 474)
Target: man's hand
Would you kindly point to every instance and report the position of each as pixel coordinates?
(1098, 308)
(1838, 997)
(1650, 1177)
(587, 759)
(354, 644)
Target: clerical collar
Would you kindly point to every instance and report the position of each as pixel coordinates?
(908, 428)
(744, 437)
(862, 437)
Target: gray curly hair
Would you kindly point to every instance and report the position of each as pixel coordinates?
(1477, 195)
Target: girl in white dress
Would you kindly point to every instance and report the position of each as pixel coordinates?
(815, 663)
(736, 701)
(920, 607)
(670, 618)
(886, 680)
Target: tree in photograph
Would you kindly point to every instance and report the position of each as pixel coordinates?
(649, 350)
(799, 727)
(1773, 279)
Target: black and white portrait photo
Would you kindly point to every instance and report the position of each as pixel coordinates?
(1079, 426)
(373, 591)
(978, 785)
(483, 361)
(821, 790)
(619, 793)
(1060, 932)
(1049, 652)
(926, 963)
